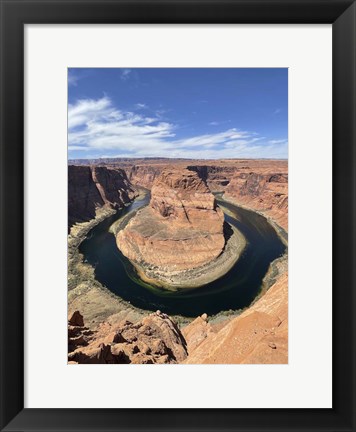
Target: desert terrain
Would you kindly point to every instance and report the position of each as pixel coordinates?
(180, 239)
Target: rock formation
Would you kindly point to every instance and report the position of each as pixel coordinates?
(197, 332)
(259, 335)
(144, 175)
(217, 177)
(78, 334)
(90, 188)
(181, 229)
(112, 335)
(155, 339)
(267, 193)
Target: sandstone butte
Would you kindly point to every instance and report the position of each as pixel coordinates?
(181, 229)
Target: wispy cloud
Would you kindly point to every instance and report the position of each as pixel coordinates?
(125, 74)
(278, 141)
(97, 126)
(214, 123)
(141, 106)
(277, 111)
(72, 78)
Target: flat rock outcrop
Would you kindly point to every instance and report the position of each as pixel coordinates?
(181, 229)
(93, 187)
(154, 339)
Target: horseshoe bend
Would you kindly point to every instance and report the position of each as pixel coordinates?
(177, 233)
(178, 218)
(180, 240)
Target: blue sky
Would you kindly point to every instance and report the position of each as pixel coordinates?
(188, 113)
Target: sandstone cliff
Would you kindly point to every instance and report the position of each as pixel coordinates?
(181, 229)
(90, 188)
(216, 176)
(264, 192)
(144, 175)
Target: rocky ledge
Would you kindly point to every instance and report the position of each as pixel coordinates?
(258, 336)
(180, 240)
(154, 339)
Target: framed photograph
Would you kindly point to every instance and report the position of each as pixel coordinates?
(177, 215)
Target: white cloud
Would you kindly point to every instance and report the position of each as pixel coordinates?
(140, 106)
(279, 141)
(277, 111)
(125, 74)
(72, 79)
(97, 126)
(87, 110)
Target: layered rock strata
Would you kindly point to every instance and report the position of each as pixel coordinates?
(172, 240)
(93, 187)
(144, 175)
(267, 193)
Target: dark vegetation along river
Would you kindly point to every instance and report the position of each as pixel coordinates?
(235, 290)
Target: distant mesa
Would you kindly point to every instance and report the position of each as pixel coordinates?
(177, 239)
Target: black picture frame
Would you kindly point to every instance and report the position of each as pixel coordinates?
(14, 15)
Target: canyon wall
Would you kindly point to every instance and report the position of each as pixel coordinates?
(217, 177)
(144, 175)
(260, 185)
(267, 193)
(92, 187)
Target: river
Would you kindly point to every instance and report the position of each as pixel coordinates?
(235, 290)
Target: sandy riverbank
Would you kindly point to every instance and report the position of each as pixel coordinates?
(95, 302)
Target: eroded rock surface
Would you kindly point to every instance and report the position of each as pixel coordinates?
(258, 335)
(154, 339)
(181, 229)
(93, 187)
(78, 334)
(265, 192)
